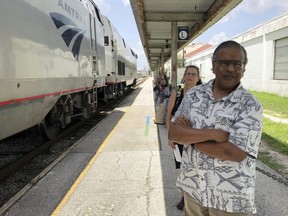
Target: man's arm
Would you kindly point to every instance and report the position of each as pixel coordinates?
(181, 132)
(212, 142)
(222, 151)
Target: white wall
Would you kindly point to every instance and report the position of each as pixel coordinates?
(259, 43)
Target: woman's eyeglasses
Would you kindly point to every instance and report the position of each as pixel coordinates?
(191, 74)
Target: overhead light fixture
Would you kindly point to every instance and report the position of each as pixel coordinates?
(167, 44)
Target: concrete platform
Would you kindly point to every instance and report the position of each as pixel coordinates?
(133, 173)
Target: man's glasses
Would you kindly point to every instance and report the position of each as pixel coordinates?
(226, 63)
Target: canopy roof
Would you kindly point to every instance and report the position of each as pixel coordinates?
(154, 17)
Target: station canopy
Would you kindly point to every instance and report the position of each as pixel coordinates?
(154, 17)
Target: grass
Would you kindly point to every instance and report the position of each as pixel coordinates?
(273, 104)
(276, 135)
(267, 159)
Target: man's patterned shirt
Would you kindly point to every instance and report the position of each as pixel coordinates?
(225, 185)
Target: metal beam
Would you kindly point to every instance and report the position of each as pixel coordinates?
(157, 45)
(174, 55)
(158, 55)
(172, 16)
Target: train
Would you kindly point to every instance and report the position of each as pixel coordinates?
(59, 59)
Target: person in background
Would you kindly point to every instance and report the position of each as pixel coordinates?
(156, 87)
(220, 123)
(191, 78)
(161, 89)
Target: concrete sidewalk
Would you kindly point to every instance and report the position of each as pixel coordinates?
(134, 172)
(276, 119)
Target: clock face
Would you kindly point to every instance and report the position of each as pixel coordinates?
(183, 35)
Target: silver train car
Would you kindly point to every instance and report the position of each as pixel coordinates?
(58, 59)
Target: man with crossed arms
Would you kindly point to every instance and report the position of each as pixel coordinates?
(220, 125)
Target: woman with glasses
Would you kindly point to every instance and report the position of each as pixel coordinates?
(190, 79)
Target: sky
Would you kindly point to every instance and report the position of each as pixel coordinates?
(247, 15)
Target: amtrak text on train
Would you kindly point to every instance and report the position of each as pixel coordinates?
(70, 11)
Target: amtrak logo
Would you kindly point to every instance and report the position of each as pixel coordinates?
(71, 33)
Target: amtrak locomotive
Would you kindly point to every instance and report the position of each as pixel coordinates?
(58, 59)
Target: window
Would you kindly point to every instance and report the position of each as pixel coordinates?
(97, 12)
(121, 68)
(281, 59)
(132, 52)
(124, 42)
(106, 40)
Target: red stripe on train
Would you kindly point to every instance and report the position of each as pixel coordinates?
(20, 100)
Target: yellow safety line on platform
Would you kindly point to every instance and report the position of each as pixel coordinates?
(58, 209)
